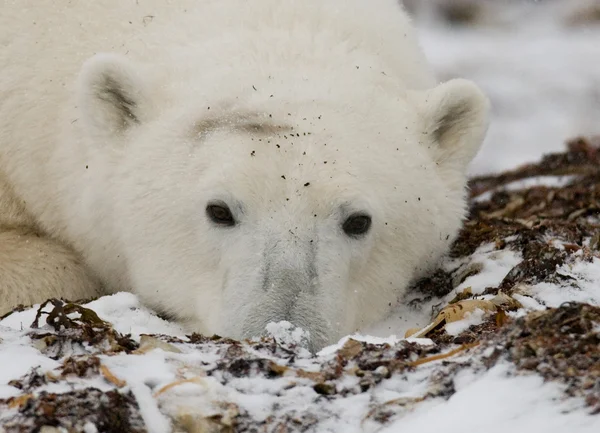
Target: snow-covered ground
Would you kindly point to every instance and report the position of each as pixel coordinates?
(178, 380)
(377, 381)
(541, 74)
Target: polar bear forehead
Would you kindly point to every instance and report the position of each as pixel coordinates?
(274, 162)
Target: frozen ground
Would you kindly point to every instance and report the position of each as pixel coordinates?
(183, 382)
(541, 73)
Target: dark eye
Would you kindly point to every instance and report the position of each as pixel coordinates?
(220, 214)
(357, 225)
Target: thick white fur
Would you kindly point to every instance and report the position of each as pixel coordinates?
(196, 92)
(34, 267)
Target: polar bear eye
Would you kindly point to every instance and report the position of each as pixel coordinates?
(357, 224)
(220, 214)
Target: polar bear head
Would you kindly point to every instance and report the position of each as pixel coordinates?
(270, 205)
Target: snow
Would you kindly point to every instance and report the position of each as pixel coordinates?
(137, 320)
(171, 379)
(587, 289)
(548, 181)
(539, 75)
(17, 357)
(484, 400)
(492, 267)
(471, 319)
(286, 333)
(89, 428)
(111, 308)
(151, 369)
(488, 403)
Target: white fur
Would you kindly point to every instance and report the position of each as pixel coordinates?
(121, 119)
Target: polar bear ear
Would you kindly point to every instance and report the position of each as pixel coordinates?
(456, 118)
(112, 95)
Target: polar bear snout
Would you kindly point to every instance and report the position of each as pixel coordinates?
(289, 291)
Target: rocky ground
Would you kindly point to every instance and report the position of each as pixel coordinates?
(512, 341)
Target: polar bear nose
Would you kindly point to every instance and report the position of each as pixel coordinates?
(291, 296)
(290, 292)
(288, 289)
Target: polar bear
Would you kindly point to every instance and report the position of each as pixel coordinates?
(233, 163)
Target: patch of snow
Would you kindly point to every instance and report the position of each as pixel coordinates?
(131, 317)
(155, 420)
(288, 334)
(499, 402)
(90, 428)
(528, 303)
(123, 310)
(585, 288)
(17, 358)
(549, 181)
(493, 265)
(472, 318)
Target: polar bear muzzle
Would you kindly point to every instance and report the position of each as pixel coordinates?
(290, 291)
